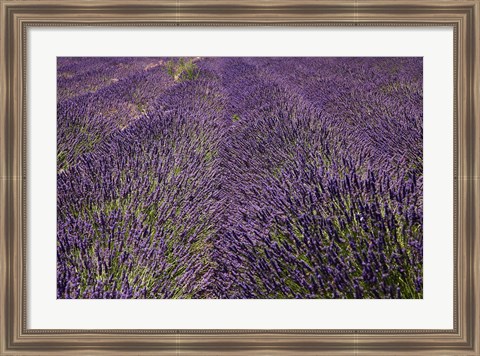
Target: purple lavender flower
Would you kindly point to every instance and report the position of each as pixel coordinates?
(252, 178)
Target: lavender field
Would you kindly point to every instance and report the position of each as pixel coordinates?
(239, 178)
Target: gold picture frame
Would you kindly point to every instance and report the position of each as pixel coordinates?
(16, 15)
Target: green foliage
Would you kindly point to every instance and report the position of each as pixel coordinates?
(182, 69)
(62, 160)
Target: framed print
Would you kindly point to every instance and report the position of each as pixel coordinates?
(250, 246)
(265, 178)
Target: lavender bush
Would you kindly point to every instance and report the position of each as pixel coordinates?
(239, 178)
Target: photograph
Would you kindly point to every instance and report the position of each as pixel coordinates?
(239, 178)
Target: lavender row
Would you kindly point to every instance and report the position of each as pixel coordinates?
(141, 211)
(86, 120)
